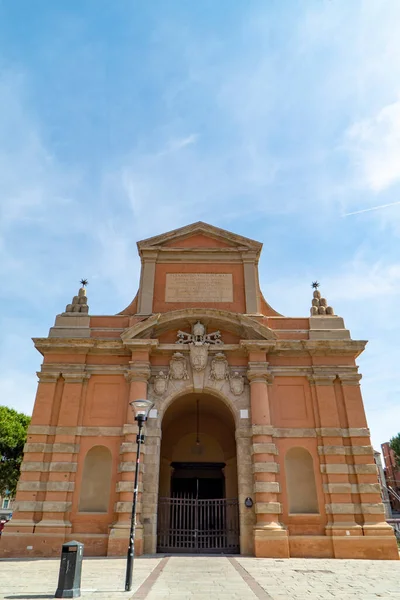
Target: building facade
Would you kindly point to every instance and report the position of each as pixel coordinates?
(257, 442)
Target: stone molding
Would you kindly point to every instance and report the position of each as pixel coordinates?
(139, 370)
(345, 469)
(263, 449)
(242, 325)
(352, 488)
(131, 448)
(267, 486)
(75, 431)
(345, 508)
(81, 346)
(127, 467)
(268, 508)
(347, 379)
(345, 450)
(58, 467)
(48, 377)
(42, 506)
(57, 447)
(259, 372)
(46, 486)
(127, 486)
(262, 430)
(321, 379)
(230, 321)
(338, 432)
(265, 467)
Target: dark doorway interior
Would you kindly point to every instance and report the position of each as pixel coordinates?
(204, 481)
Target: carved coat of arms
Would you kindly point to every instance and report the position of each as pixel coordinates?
(236, 383)
(178, 367)
(160, 383)
(198, 356)
(219, 367)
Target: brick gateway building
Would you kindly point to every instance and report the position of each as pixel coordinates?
(257, 442)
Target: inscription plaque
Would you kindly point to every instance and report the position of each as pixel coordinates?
(199, 287)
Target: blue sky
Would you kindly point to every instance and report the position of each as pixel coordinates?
(122, 120)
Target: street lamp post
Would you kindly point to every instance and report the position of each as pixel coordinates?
(141, 409)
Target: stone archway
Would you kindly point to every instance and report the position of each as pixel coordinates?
(171, 452)
(198, 485)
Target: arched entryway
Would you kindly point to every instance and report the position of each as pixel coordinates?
(198, 487)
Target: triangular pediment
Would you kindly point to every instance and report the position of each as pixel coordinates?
(199, 235)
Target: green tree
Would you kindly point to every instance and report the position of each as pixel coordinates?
(13, 428)
(395, 446)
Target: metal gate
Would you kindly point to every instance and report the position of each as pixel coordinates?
(198, 526)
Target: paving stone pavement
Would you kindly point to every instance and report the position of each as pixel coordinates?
(208, 578)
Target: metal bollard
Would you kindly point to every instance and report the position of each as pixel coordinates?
(69, 579)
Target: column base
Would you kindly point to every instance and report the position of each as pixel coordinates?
(368, 547)
(118, 540)
(271, 541)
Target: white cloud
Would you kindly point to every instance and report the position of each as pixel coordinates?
(374, 148)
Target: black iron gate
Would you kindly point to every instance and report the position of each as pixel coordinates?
(198, 526)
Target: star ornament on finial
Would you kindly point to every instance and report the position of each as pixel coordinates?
(315, 285)
(84, 282)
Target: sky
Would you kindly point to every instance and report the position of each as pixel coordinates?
(279, 121)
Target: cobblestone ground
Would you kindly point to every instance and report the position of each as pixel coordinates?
(211, 578)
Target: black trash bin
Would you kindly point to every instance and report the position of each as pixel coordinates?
(69, 579)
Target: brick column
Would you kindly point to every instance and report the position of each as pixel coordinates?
(270, 537)
(137, 376)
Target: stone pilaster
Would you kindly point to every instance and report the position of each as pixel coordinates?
(270, 539)
(366, 495)
(334, 463)
(137, 375)
(63, 453)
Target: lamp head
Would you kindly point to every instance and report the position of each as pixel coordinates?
(141, 409)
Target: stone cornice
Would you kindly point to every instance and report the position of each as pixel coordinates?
(80, 346)
(319, 347)
(257, 345)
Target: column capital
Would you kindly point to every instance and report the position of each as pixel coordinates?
(139, 370)
(321, 378)
(76, 377)
(140, 345)
(259, 372)
(48, 376)
(350, 378)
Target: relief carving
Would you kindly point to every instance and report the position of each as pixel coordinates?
(178, 367)
(160, 383)
(219, 367)
(199, 336)
(198, 356)
(236, 383)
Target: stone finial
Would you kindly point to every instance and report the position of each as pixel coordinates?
(319, 305)
(79, 303)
